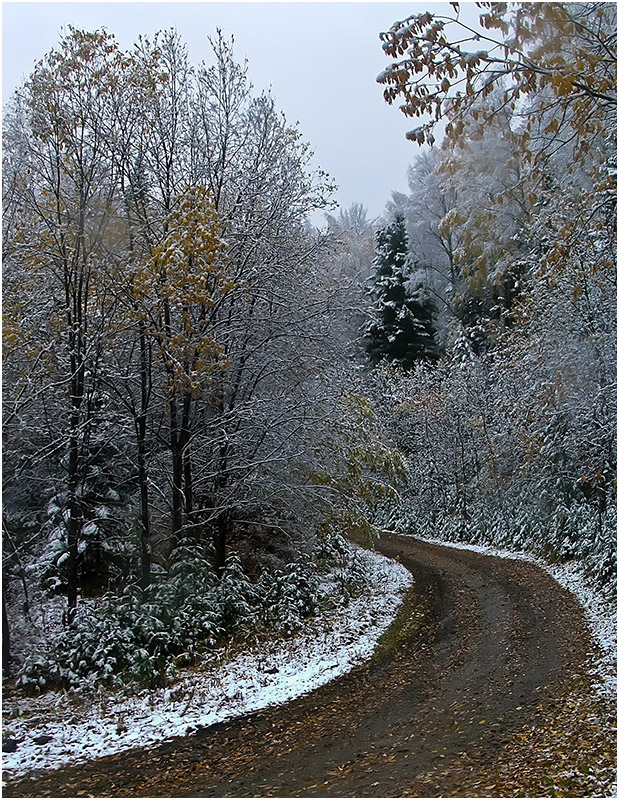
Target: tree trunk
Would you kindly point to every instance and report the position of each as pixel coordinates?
(6, 640)
(177, 489)
(221, 536)
(186, 455)
(223, 518)
(73, 524)
(145, 562)
(76, 294)
(145, 576)
(188, 486)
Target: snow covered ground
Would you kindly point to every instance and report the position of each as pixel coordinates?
(220, 691)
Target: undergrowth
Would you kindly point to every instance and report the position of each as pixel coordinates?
(144, 636)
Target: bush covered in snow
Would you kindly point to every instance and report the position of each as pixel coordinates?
(143, 636)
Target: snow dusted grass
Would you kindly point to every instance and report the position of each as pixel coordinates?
(218, 691)
(601, 618)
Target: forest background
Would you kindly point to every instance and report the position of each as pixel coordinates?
(207, 397)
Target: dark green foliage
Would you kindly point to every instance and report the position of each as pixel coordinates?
(143, 636)
(402, 330)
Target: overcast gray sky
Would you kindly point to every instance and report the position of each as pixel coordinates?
(320, 59)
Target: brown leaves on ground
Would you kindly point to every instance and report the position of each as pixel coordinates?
(480, 688)
(567, 750)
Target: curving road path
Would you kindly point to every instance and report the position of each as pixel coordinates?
(483, 654)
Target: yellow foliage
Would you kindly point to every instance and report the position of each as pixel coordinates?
(179, 286)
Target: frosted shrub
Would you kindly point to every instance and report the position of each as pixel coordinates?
(351, 578)
(336, 555)
(333, 551)
(186, 602)
(94, 649)
(289, 599)
(142, 636)
(38, 672)
(235, 597)
(300, 591)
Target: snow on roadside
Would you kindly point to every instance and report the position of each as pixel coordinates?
(602, 620)
(253, 680)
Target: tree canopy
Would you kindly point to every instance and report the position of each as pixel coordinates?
(563, 53)
(511, 437)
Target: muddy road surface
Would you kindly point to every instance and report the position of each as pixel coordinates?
(480, 688)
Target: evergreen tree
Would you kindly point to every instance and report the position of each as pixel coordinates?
(402, 330)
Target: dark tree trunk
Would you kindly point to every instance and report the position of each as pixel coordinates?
(72, 570)
(145, 576)
(186, 455)
(182, 489)
(176, 450)
(221, 537)
(223, 519)
(76, 293)
(188, 487)
(145, 562)
(73, 526)
(176, 443)
(177, 490)
(6, 640)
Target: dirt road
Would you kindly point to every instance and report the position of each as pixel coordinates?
(480, 688)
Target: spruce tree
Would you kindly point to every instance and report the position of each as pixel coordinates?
(402, 326)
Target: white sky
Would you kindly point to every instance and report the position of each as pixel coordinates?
(320, 59)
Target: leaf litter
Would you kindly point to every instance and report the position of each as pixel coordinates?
(224, 687)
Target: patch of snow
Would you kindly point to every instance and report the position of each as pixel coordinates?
(264, 676)
(601, 618)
